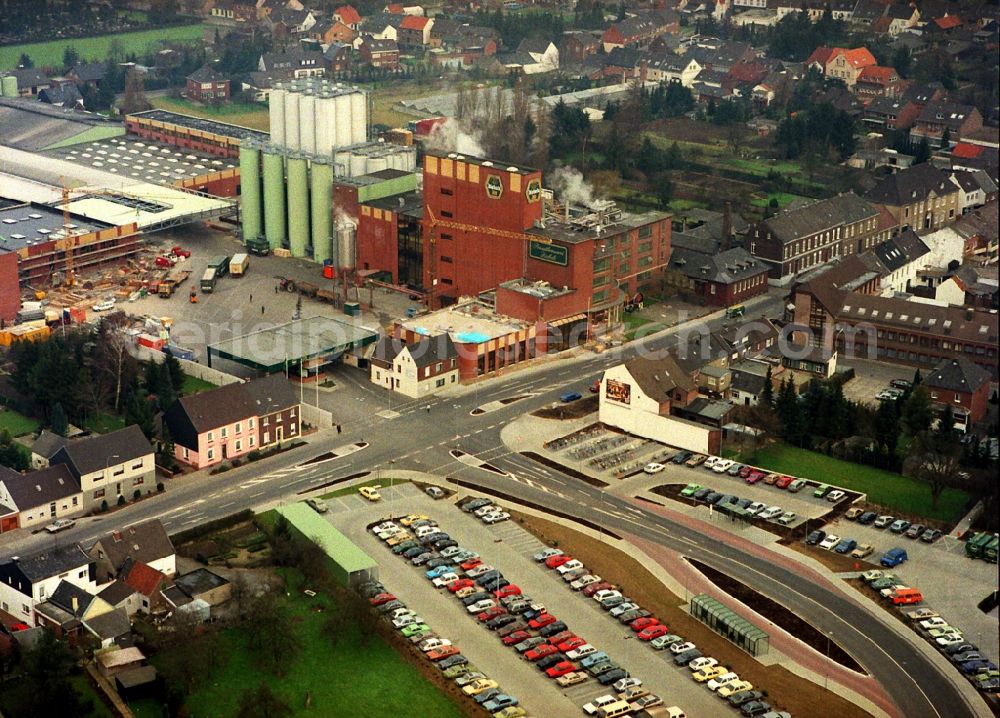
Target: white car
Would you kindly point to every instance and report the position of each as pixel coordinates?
(547, 553)
(921, 614)
(426, 530)
(597, 704)
(710, 462)
(584, 581)
(444, 579)
(384, 526)
(388, 533)
(835, 496)
(606, 593)
(755, 508)
(59, 525)
(679, 648)
(619, 610)
(771, 512)
(653, 468)
(726, 678)
(569, 566)
(585, 650)
(935, 622)
(318, 505)
(704, 662)
(787, 518)
(496, 518)
(626, 683)
(875, 575)
(722, 466)
(480, 606)
(431, 643)
(488, 509)
(950, 640)
(404, 621)
(829, 542)
(478, 570)
(105, 305)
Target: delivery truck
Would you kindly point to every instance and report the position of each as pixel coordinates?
(174, 279)
(239, 264)
(208, 280)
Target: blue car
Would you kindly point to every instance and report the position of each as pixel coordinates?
(499, 703)
(570, 396)
(972, 667)
(594, 658)
(846, 546)
(435, 572)
(893, 557)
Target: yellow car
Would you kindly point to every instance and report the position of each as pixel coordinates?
(370, 492)
(408, 520)
(398, 538)
(734, 687)
(479, 685)
(707, 674)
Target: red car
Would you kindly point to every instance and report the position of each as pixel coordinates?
(745, 471)
(471, 563)
(441, 653)
(754, 476)
(557, 561)
(515, 637)
(179, 251)
(560, 669)
(542, 621)
(593, 588)
(460, 583)
(511, 590)
(648, 634)
(539, 652)
(165, 261)
(783, 482)
(641, 623)
(560, 637)
(569, 645)
(491, 613)
(381, 598)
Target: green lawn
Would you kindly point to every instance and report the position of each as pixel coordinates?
(103, 423)
(17, 424)
(894, 491)
(50, 54)
(86, 689)
(634, 323)
(346, 679)
(783, 199)
(348, 490)
(194, 385)
(762, 167)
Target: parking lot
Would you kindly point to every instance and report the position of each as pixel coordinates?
(870, 378)
(509, 548)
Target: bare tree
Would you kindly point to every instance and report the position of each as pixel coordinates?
(936, 456)
(114, 360)
(135, 94)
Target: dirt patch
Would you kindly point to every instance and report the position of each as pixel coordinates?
(779, 615)
(573, 410)
(563, 469)
(785, 691)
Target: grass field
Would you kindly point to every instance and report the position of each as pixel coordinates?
(349, 490)
(12, 695)
(253, 116)
(634, 324)
(783, 199)
(346, 679)
(17, 424)
(194, 385)
(50, 54)
(893, 491)
(763, 167)
(103, 423)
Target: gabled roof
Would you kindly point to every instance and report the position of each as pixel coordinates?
(142, 577)
(951, 114)
(206, 74)
(39, 488)
(900, 251)
(948, 22)
(29, 77)
(958, 374)
(65, 95)
(818, 216)
(116, 592)
(659, 377)
(270, 394)
(44, 564)
(334, 49)
(191, 415)
(85, 456)
(878, 75)
(348, 15)
(747, 382)
(820, 56)
(414, 22)
(146, 541)
(726, 267)
(111, 625)
(388, 348)
(914, 184)
(534, 45)
(89, 71)
(65, 593)
(858, 57)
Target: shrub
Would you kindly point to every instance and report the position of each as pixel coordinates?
(160, 487)
(253, 455)
(136, 495)
(121, 500)
(237, 463)
(104, 505)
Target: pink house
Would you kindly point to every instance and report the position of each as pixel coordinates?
(226, 423)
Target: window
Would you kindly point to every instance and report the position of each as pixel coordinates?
(439, 382)
(265, 421)
(292, 428)
(137, 465)
(210, 455)
(446, 280)
(438, 367)
(292, 414)
(250, 443)
(239, 428)
(446, 191)
(958, 399)
(446, 259)
(250, 423)
(239, 445)
(74, 500)
(446, 214)
(185, 452)
(224, 432)
(99, 494)
(211, 436)
(137, 481)
(645, 231)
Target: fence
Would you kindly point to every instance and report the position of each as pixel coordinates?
(191, 368)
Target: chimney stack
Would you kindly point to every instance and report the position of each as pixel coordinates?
(76, 604)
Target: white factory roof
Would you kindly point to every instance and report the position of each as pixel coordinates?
(148, 205)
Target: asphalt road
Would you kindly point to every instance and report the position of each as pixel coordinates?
(421, 436)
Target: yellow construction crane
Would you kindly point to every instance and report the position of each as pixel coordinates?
(435, 223)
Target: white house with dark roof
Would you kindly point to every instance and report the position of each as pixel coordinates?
(40, 497)
(146, 542)
(417, 369)
(26, 581)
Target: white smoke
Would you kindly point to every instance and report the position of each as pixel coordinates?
(571, 187)
(450, 136)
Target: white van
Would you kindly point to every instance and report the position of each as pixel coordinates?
(613, 710)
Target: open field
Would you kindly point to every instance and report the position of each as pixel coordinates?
(356, 672)
(783, 199)
(50, 54)
(903, 495)
(193, 385)
(17, 424)
(253, 116)
(103, 423)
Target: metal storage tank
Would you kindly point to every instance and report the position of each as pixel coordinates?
(346, 245)
(342, 163)
(321, 210)
(298, 206)
(358, 165)
(274, 199)
(325, 117)
(377, 163)
(292, 119)
(8, 86)
(342, 125)
(307, 120)
(359, 117)
(250, 191)
(276, 114)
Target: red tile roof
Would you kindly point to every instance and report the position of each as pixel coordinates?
(967, 151)
(821, 55)
(395, 9)
(858, 57)
(143, 578)
(878, 74)
(414, 22)
(348, 15)
(948, 22)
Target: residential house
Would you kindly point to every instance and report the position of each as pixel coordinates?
(415, 31)
(721, 55)
(118, 594)
(337, 57)
(26, 581)
(641, 397)
(89, 74)
(977, 187)
(799, 239)
(401, 9)
(68, 608)
(878, 81)
(39, 497)
(379, 53)
(30, 81)
(276, 407)
(332, 32)
(288, 22)
(920, 197)
(898, 18)
(746, 385)
(966, 287)
(62, 94)
(45, 447)
(236, 10)
(148, 584)
(294, 63)
(417, 369)
(963, 386)
(620, 63)
(207, 85)
(380, 27)
(669, 68)
(533, 56)
(640, 29)
(575, 45)
(940, 117)
(347, 15)
(722, 279)
(846, 65)
(868, 12)
(968, 156)
(900, 258)
(891, 113)
(146, 542)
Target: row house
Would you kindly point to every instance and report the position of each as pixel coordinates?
(899, 259)
(287, 22)
(878, 81)
(669, 68)
(799, 239)
(379, 53)
(37, 498)
(337, 57)
(326, 33)
(962, 386)
(921, 197)
(940, 117)
(722, 279)
(233, 420)
(30, 579)
(575, 45)
(294, 63)
(146, 542)
(640, 29)
(415, 31)
(890, 113)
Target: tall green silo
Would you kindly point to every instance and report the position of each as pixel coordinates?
(250, 191)
(322, 210)
(274, 199)
(298, 205)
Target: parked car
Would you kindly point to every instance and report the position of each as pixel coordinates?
(915, 530)
(771, 512)
(571, 679)
(755, 508)
(853, 513)
(738, 699)
(783, 482)
(60, 525)
(815, 537)
(665, 641)
(862, 550)
(653, 468)
(829, 542)
(899, 526)
(867, 518)
(370, 492)
(787, 518)
(893, 557)
(884, 520)
(796, 486)
(930, 535)
(846, 546)
(704, 662)
(835, 496)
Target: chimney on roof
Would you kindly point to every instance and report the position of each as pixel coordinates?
(969, 314)
(76, 604)
(727, 228)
